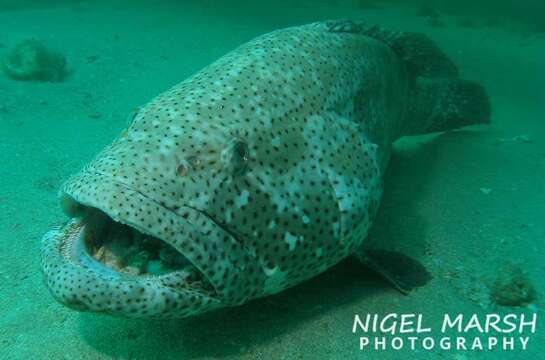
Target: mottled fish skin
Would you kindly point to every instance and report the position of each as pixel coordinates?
(263, 169)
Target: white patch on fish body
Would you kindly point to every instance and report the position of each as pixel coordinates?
(176, 130)
(276, 141)
(336, 226)
(344, 192)
(275, 279)
(166, 146)
(138, 135)
(280, 201)
(200, 202)
(292, 188)
(291, 240)
(242, 199)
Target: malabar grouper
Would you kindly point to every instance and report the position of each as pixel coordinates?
(257, 173)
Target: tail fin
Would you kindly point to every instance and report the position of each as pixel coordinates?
(446, 104)
(443, 102)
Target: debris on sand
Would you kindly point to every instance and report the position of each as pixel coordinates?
(523, 138)
(512, 288)
(31, 60)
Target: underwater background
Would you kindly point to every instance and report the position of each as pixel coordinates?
(469, 204)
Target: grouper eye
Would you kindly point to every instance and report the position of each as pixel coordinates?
(239, 157)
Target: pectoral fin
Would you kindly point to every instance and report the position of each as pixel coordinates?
(403, 272)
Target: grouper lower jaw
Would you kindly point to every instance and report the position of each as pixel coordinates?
(79, 282)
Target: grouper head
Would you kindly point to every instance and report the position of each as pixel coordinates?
(150, 232)
(234, 184)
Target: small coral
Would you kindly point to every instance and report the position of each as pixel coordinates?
(31, 60)
(512, 288)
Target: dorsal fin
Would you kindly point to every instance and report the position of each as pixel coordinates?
(419, 52)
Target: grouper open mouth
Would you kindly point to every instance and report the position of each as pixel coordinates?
(112, 247)
(102, 261)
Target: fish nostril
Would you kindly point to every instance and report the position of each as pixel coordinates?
(187, 164)
(182, 169)
(240, 157)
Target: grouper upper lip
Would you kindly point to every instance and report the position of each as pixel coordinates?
(88, 288)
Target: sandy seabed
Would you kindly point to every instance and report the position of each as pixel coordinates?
(466, 203)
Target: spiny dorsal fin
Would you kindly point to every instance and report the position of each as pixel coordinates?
(420, 54)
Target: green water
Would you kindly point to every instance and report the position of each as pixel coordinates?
(467, 204)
